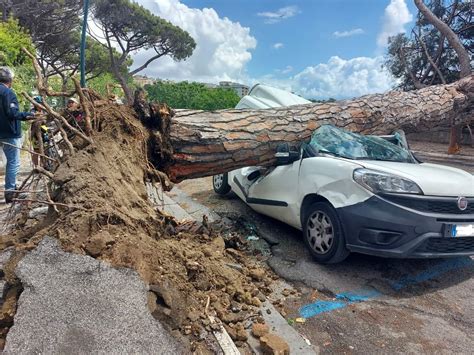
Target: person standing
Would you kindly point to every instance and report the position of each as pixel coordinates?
(10, 130)
(74, 108)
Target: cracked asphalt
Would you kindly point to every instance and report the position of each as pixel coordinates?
(365, 304)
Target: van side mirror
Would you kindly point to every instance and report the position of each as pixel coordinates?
(285, 155)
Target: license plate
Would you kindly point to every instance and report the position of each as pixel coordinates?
(463, 230)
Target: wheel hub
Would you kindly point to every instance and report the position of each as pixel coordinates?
(320, 232)
(218, 180)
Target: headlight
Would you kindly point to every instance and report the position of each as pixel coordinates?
(377, 182)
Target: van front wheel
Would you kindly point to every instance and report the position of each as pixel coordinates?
(323, 234)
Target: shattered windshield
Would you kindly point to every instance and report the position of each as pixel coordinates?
(345, 144)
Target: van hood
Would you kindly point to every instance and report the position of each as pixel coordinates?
(433, 179)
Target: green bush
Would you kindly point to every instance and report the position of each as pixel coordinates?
(12, 39)
(197, 96)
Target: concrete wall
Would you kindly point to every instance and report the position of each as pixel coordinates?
(440, 136)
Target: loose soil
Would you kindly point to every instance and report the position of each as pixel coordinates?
(190, 267)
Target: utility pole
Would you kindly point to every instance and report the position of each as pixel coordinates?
(83, 44)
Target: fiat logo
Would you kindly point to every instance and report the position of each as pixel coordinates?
(462, 203)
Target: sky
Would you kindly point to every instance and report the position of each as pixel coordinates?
(315, 48)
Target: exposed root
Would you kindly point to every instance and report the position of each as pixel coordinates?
(31, 152)
(40, 84)
(49, 203)
(162, 178)
(85, 103)
(100, 207)
(40, 170)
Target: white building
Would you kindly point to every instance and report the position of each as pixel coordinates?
(240, 89)
(143, 80)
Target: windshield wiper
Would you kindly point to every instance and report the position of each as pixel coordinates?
(369, 158)
(332, 153)
(381, 159)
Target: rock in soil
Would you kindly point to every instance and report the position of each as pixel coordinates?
(257, 274)
(4, 257)
(95, 245)
(237, 333)
(241, 333)
(259, 329)
(272, 344)
(38, 212)
(8, 308)
(118, 224)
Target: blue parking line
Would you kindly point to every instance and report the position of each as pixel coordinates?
(360, 296)
(347, 298)
(342, 300)
(441, 268)
(313, 309)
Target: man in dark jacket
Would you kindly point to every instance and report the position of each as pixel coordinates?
(10, 130)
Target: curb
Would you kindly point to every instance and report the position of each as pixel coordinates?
(465, 160)
(278, 324)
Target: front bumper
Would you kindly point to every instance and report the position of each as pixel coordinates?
(391, 227)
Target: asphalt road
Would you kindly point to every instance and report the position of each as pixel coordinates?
(365, 304)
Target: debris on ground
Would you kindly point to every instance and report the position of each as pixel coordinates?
(240, 233)
(105, 213)
(260, 329)
(272, 344)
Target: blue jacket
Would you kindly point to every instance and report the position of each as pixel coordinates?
(10, 115)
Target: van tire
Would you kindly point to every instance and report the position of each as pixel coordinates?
(323, 233)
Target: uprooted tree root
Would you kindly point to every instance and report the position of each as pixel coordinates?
(98, 205)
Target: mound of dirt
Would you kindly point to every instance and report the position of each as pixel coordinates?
(191, 274)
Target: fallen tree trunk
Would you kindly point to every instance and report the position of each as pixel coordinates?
(99, 205)
(200, 143)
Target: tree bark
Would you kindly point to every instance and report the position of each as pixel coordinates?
(453, 39)
(416, 83)
(440, 49)
(463, 56)
(123, 83)
(116, 68)
(198, 143)
(430, 59)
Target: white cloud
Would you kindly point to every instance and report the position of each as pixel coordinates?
(224, 49)
(338, 78)
(278, 45)
(223, 46)
(395, 18)
(288, 69)
(353, 32)
(280, 14)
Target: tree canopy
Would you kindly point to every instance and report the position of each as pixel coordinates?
(12, 39)
(124, 27)
(198, 96)
(63, 59)
(130, 27)
(54, 26)
(423, 56)
(47, 20)
(106, 84)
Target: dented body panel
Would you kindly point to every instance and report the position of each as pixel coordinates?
(400, 207)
